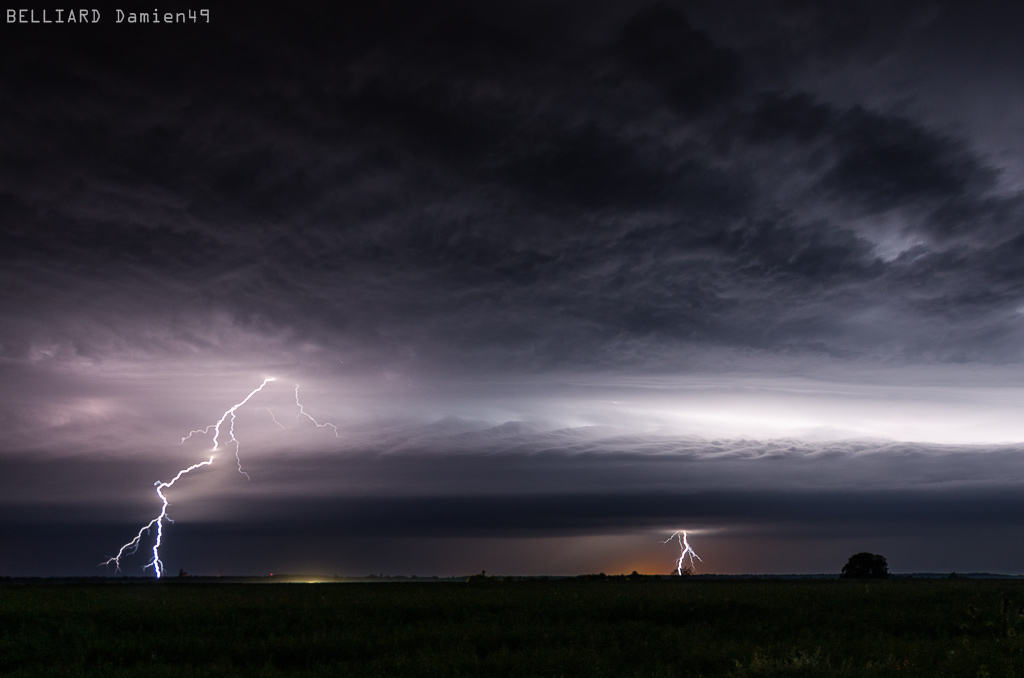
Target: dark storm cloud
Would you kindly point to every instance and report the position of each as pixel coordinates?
(759, 512)
(661, 46)
(481, 510)
(557, 186)
(888, 162)
(875, 162)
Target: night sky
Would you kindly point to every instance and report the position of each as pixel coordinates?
(566, 277)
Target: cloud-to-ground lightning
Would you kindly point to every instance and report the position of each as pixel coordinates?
(685, 550)
(158, 522)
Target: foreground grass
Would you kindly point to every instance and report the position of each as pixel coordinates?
(521, 628)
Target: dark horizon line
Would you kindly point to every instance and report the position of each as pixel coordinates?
(480, 576)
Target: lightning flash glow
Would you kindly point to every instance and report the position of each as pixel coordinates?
(685, 551)
(158, 522)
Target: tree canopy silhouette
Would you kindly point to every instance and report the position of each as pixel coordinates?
(865, 566)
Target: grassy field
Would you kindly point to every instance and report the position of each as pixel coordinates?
(519, 628)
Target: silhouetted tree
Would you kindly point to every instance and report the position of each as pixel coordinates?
(865, 566)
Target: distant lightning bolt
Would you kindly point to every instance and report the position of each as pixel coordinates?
(302, 413)
(158, 522)
(685, 550)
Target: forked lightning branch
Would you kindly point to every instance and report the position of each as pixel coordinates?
(685, 551)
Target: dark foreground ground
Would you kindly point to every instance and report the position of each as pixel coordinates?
(516, 628)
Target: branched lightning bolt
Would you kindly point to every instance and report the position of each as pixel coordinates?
(231, 426)
(158, 522)
(685, 550)
(302, 413)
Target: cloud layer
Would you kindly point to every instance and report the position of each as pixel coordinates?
(454, 189)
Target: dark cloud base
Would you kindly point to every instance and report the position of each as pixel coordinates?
(942, 516)
(805, 524)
